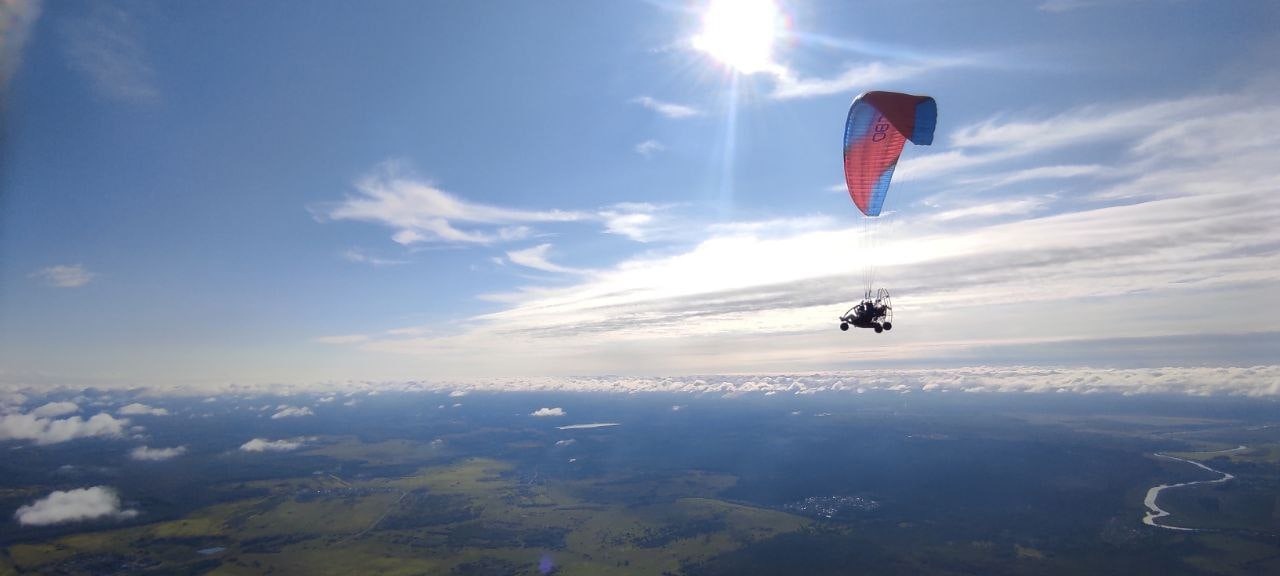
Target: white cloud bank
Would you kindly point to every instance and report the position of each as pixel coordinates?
(145, 454)
(1260, 381)
(54, 431)
(1255, 381)
(547, 412)
(264, 445)
(73, 506)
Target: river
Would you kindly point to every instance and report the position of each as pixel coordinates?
(1154, 512)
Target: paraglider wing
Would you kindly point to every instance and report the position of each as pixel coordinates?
(879, 124)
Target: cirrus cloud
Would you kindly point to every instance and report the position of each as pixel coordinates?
(106, 47)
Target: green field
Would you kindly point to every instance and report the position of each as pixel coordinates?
(472, 516)
(1258, 453)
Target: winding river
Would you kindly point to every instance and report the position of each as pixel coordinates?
(1154, 512)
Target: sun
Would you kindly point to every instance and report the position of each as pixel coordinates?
(740, 34)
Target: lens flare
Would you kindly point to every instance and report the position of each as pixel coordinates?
(740, 34)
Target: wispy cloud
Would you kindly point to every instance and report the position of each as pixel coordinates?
(588, 426)
(536, 258)
(106, 47)
(1014, 207)
(998, 141)
(635, 220)
(16, 20)
(76, 505)
(790, 85)
(668, 109)
(419, 212)
(649, 147)
(1197, 217)
(1091, 124)
(359, 256)
(64, 276)
(1038, 173)
(145, 454)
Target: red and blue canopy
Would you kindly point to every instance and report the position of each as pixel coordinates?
(879, 124)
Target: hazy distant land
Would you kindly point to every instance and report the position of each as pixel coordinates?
(594, 483)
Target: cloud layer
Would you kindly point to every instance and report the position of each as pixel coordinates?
(1256, 381)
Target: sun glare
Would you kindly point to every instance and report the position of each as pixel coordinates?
(740, 34)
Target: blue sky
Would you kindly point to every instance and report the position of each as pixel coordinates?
(304, 191)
